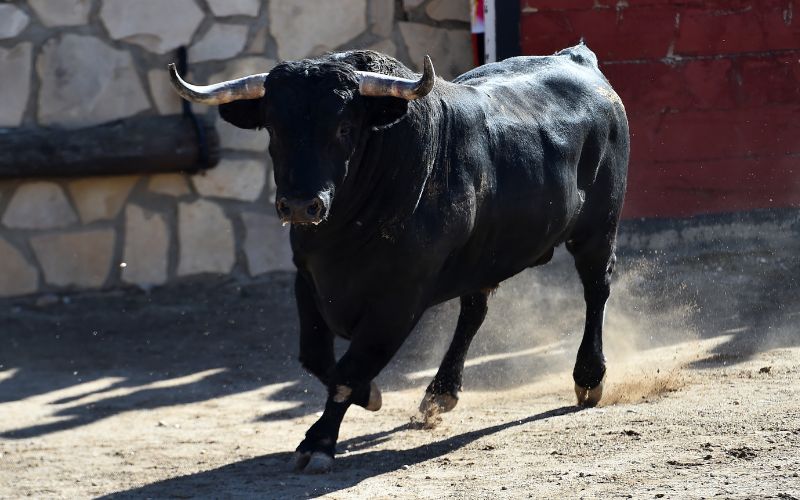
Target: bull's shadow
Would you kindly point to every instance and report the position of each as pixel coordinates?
(181, 344)
(268, 476)
(757, 315)
(242, 337)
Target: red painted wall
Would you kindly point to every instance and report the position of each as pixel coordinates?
(712, 91)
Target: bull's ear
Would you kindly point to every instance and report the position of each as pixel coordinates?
(386, 111)
(246, 113)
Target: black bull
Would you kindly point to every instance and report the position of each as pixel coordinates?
(397, 205)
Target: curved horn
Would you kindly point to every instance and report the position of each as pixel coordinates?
(249, 87)
(378, 85)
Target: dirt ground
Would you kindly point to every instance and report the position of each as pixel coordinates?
(193, 391)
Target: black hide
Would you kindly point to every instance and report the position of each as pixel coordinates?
(437, 198)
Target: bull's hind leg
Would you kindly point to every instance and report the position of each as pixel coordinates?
(442, 393)
(594, 260)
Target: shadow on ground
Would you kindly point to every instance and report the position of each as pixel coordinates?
(242, 337)
(268, 473)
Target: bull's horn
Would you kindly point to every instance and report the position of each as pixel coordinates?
(249, 87)
(377, 85)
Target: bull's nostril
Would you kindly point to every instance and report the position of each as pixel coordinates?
(283, 207)
(314, 208)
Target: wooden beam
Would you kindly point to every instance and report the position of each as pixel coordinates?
(141, 145)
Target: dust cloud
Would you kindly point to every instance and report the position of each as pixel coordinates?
(728, 290)
(535, 324)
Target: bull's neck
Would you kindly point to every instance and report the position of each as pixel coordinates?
(385, 183)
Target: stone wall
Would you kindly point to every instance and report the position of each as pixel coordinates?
(75, 63)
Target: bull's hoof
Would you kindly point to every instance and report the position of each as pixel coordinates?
(375, 399)
(589, 397)
(437, 403)
(312, 463)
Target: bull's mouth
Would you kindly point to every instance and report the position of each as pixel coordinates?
(285, 221)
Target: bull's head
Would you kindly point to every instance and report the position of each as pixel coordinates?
(318, 114)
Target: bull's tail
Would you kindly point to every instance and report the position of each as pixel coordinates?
(580, 54)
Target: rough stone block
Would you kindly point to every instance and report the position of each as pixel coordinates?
(272, 189)
(381, 17)
(165, 98)
(238, 179)
(243, 66)
(146, 247)
(17, 276)
(222, 41)
(309, 27)
(80, 258)
(385, 47)
(266, 244)
(222, 8)
(231, 137)
(169, 184)
(157, 25)
(86, 82)
(12, 21)
(39, 205)
(15, 80)
(101, 198)
(258, 43)
(412, 4)
(450, 50)
(62, 12)
(449, 10)
(206, 240)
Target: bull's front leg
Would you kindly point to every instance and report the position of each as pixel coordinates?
(316, 345)
(371, 349)
(316, 339)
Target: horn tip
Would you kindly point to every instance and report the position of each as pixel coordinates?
(428, 67)
(173, 71)
(428, 79)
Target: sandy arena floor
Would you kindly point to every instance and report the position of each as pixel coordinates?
(193, 391)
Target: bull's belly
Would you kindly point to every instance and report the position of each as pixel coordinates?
(493, 265)
(519, 233)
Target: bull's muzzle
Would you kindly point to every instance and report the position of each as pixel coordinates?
(301, 210)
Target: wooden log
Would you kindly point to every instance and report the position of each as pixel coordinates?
(140, 145)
